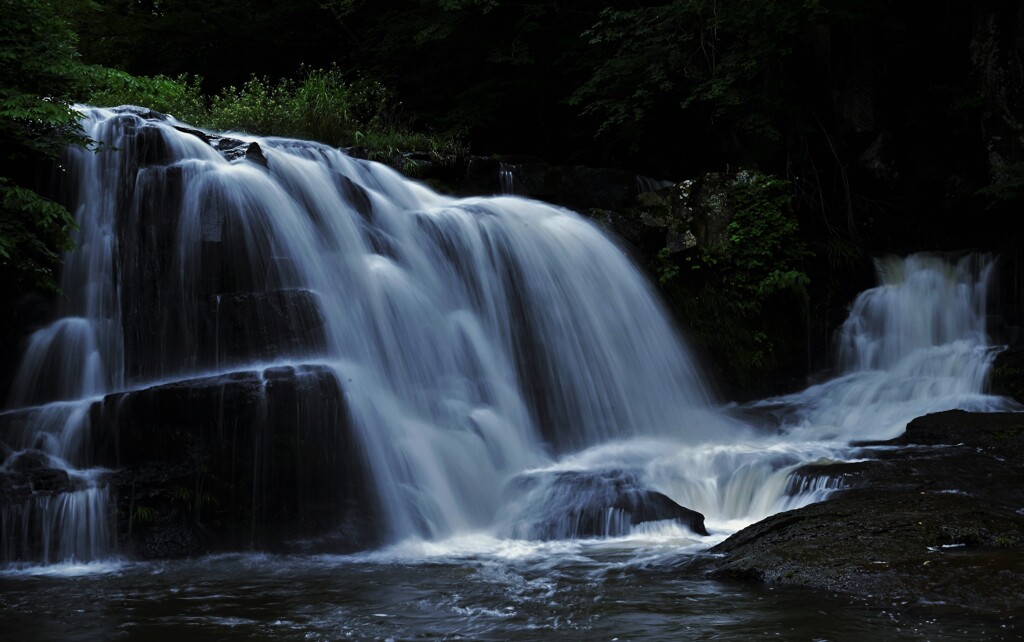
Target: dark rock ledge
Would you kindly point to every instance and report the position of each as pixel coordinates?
(937, 523)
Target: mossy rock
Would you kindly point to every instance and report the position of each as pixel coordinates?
(1008, 373)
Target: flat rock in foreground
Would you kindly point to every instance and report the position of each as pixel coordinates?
(938, 521)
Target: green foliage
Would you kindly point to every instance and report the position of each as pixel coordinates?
(321, 105)
(765, 253)
(739, 293)
(665, 268)
(180, 97)
(257, 107)
(1006, 189)
(39, 74)
(33, 231)
(39, 71)
(723, 59)
(144, 515)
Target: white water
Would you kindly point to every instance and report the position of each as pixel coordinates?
(915, 344)
(475, 340)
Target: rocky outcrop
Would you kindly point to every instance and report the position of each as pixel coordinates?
(575, 186)
(936, 523)
(690, 214)
(261, 326)
(252, 459)
(31, 473)
(231, 148)
(578, 504)
(1007, 376)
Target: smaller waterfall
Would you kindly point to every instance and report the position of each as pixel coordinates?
(507, 178)
(52, 511)
(57, 508)
(913, 345)
(648, 184)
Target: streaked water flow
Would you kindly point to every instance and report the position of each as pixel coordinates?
(483, 345)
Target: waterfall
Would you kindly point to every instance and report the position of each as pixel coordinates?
(471, 339)
(351, 338)
(913, 345)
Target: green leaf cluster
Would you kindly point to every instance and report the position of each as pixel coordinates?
(40, 73)
(180, 96)
(724, 61)
(33, 232)
(764, 252)
(321, 104)
(738, 296)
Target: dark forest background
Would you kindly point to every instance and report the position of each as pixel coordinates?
(803, 137)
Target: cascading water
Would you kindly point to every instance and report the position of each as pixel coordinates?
(472, 339)
(499, 362)
(915, 344)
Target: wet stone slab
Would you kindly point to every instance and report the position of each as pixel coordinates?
(938, 522)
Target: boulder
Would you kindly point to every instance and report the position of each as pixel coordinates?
(932, 520)
(578, 504)
(250, 459)
(1007, 377)
(355, 196)
(231, 148)
(261, 326)
(30, 473)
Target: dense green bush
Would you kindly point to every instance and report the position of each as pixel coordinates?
(740, 295)
(320, 105)
(180, 97)
(33, 232)
(39, 74)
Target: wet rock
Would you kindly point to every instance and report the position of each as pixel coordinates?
(355, 196)
(251, 459)
(236, 149)
(576, 186)
(1007, 376)
(231, 148)
(937, 521)
(145, 146)
(141, 112)
(31, 473)
(575, 504)
(232, 318)
(201, 135)
(262, 326)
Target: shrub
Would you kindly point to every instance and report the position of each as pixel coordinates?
(320, 105)
(736, 292)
